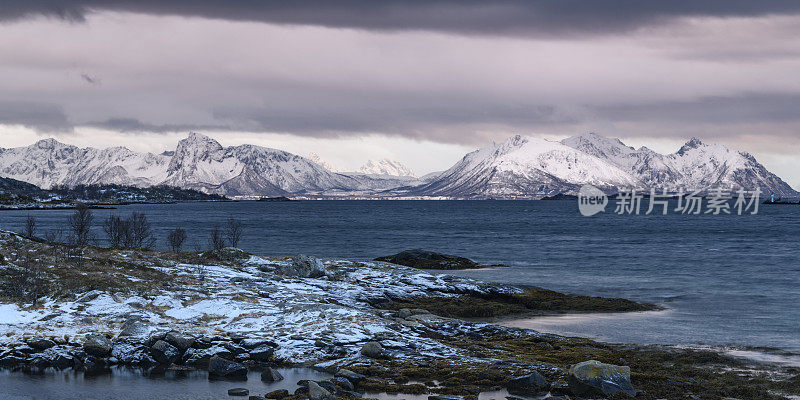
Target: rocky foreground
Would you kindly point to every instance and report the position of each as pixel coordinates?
(230, 312)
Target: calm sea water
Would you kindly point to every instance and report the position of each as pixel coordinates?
(727, 280)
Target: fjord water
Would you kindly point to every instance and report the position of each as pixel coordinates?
(726, 279)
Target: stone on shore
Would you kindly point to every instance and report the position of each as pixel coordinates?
(303, 267)
(351, 376)
(97, 345)
(164, 352)
(271, 375)
(180, 341)
(41, 343)
(261, 353)
(593, 378)
(532, 384)
(238, 392)
(316, 392)
(220, 368)
(372, 350)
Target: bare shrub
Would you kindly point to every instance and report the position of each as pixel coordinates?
(30, 226)
(53, 236)
(215, 240)
(141, 233)
(176, 238)
(115, 232)
(234, 231)
(80, 223)
(26, 280)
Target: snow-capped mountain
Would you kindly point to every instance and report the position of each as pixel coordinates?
(198, 162)
(386, 167)
(524, 167)
(695, 166)
(317, 159)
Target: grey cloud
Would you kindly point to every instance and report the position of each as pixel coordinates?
(463, 16)
(133, 125)
(38, 116)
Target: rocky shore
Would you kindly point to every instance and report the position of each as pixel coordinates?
(369, 324)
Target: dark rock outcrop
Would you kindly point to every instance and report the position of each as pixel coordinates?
(425, 259)
(220, 368)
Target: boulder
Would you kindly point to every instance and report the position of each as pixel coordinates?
(303, 267)
(164, 352)
(261, 353)
(271, 375)
(343, 384)
(94, 366)
(593, 378)
(135, 328)
(201, 357)
(238, 392)
(372, 350)
(424, 259)
(220, 368)
(532, 383)
(253, 343)
(97, 345)
(41, 344)
(351, 376)
(180, 341)
(132, 353)
(316, 392)
(277, 394)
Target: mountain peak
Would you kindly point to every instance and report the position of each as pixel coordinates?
(693, 143)
(386, 167)
(198, 140)
(48, 144)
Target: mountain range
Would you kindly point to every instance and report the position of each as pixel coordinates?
(520, 167)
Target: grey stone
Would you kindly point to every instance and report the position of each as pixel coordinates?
(271, 375)
(262, 353)
(372, 350)
(41, 343)
(592, 377)
(220, 368)
(97, 345)
(182, 342)
(532, 383)
(303, 267)
(238, 392)
(316, 392)
(277, 394)
(351, 376)
(164, 352)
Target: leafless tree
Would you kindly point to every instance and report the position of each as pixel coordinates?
(216, 241)
(30, 226)
(81, 224)
(141, 233)
(113, 227)
(175, 238)
(233, 231)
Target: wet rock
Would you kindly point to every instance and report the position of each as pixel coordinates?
(532, 383)
(220, 368)
(97, 345)
(135, 328)
(343, 383)
(271, 375)
(277, 394)
(94, 366)
(180, 341)
(596, 378)
(372, 350)
(262, 353)
(234, 348)
(164, 352)
(201, 357)
(238, 392)
(256, 397)
(316, 392)
(41, 344)
(131, 353)
(304, 267)
(429, 260)
(154, 337)
(327, 385)
(351, 376)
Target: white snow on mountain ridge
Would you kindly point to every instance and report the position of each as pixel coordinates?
(386, 167)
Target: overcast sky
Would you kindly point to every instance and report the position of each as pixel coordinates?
(418, 81)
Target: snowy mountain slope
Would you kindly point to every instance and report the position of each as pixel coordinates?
(317, 159)
(386, 167)
(695, 166)
(524, 167)
(198, 162)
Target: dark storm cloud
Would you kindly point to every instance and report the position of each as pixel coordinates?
(37, 116)
(463, 16)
